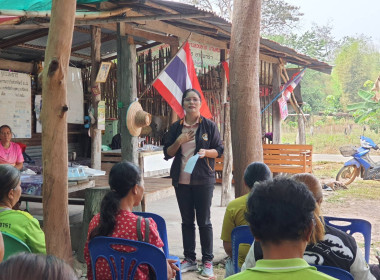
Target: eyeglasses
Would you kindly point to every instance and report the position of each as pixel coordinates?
(195, 100)
(6, 133)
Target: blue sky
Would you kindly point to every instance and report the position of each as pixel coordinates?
(348, 17)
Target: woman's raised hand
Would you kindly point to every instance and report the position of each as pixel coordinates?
(186, 137)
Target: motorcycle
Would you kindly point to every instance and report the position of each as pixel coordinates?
(361, 164)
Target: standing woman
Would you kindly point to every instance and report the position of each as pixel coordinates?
(187, 137)
(10, 153)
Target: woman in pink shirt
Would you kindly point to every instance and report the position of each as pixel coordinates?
(10, 153)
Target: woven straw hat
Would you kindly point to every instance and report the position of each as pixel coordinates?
(137, 118)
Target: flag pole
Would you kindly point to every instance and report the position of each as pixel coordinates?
(167, 64)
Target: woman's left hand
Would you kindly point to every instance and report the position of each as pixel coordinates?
(202, 153)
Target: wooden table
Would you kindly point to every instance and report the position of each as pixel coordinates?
(32, 188)
(152, 163)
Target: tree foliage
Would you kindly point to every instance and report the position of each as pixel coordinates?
(277, 16)
(356, 61)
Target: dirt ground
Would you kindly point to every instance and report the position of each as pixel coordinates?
(359, 208)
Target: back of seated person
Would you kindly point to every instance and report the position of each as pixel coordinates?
(35, 267)
(116, 219)
(329, 246)
(15, 222)
(234, 215)
(280, 214)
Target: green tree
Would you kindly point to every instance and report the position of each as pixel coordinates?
(356, 61)
(277, 16)
(368, 110)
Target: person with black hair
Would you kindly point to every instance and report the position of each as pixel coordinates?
(15, 222)
(36, 267)
(193, 135)
(10, 152)
(116, 219)
(328, 245)
(235, 211)
(280, 214)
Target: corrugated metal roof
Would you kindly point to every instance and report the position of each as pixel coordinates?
(209, 25)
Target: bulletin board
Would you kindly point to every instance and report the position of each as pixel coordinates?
(15, 103)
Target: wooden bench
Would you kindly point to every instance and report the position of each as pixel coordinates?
(280, 158)
(284, 158)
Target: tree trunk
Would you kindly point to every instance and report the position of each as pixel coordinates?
(228, 159)
(96, 134)
(276, 109)
(244, 88)
(54, 130)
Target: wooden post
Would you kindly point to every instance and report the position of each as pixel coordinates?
(127, 90)
(301, 130)
(96, 134)
(275, 108)
(92, 199)
(228, 159)
(244, 88)
(173, 51)
(226, 130)
(54, 130)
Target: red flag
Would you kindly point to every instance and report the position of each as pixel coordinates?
(226, 70)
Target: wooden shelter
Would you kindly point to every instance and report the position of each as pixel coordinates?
(149, 24)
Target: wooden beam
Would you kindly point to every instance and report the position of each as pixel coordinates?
(268, 58)
(127, 91)
(96, 133)
(167, 28)
(111, 20)
(14, 41)
(17, 66)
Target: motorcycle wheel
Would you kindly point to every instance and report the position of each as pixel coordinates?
(347, 174)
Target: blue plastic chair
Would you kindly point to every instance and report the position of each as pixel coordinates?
(143, 253)
(335, 272)
(240, 234)
(353, 226)
(161, 226)
(13, 245)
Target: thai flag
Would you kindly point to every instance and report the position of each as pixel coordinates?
(291, 85)
(178, 76)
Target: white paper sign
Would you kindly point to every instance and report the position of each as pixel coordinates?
(16, 103)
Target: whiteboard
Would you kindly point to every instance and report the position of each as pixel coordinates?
(16, 103)
(75, 96)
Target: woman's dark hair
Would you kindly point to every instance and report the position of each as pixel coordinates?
(123, 177)
(9, 179)
(280, 209)
(35, 267)
(256, 172)
(187, 92)
(5, 126)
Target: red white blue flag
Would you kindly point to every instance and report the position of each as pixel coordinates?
(178, 76)
(287, 93)
(291, 85)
